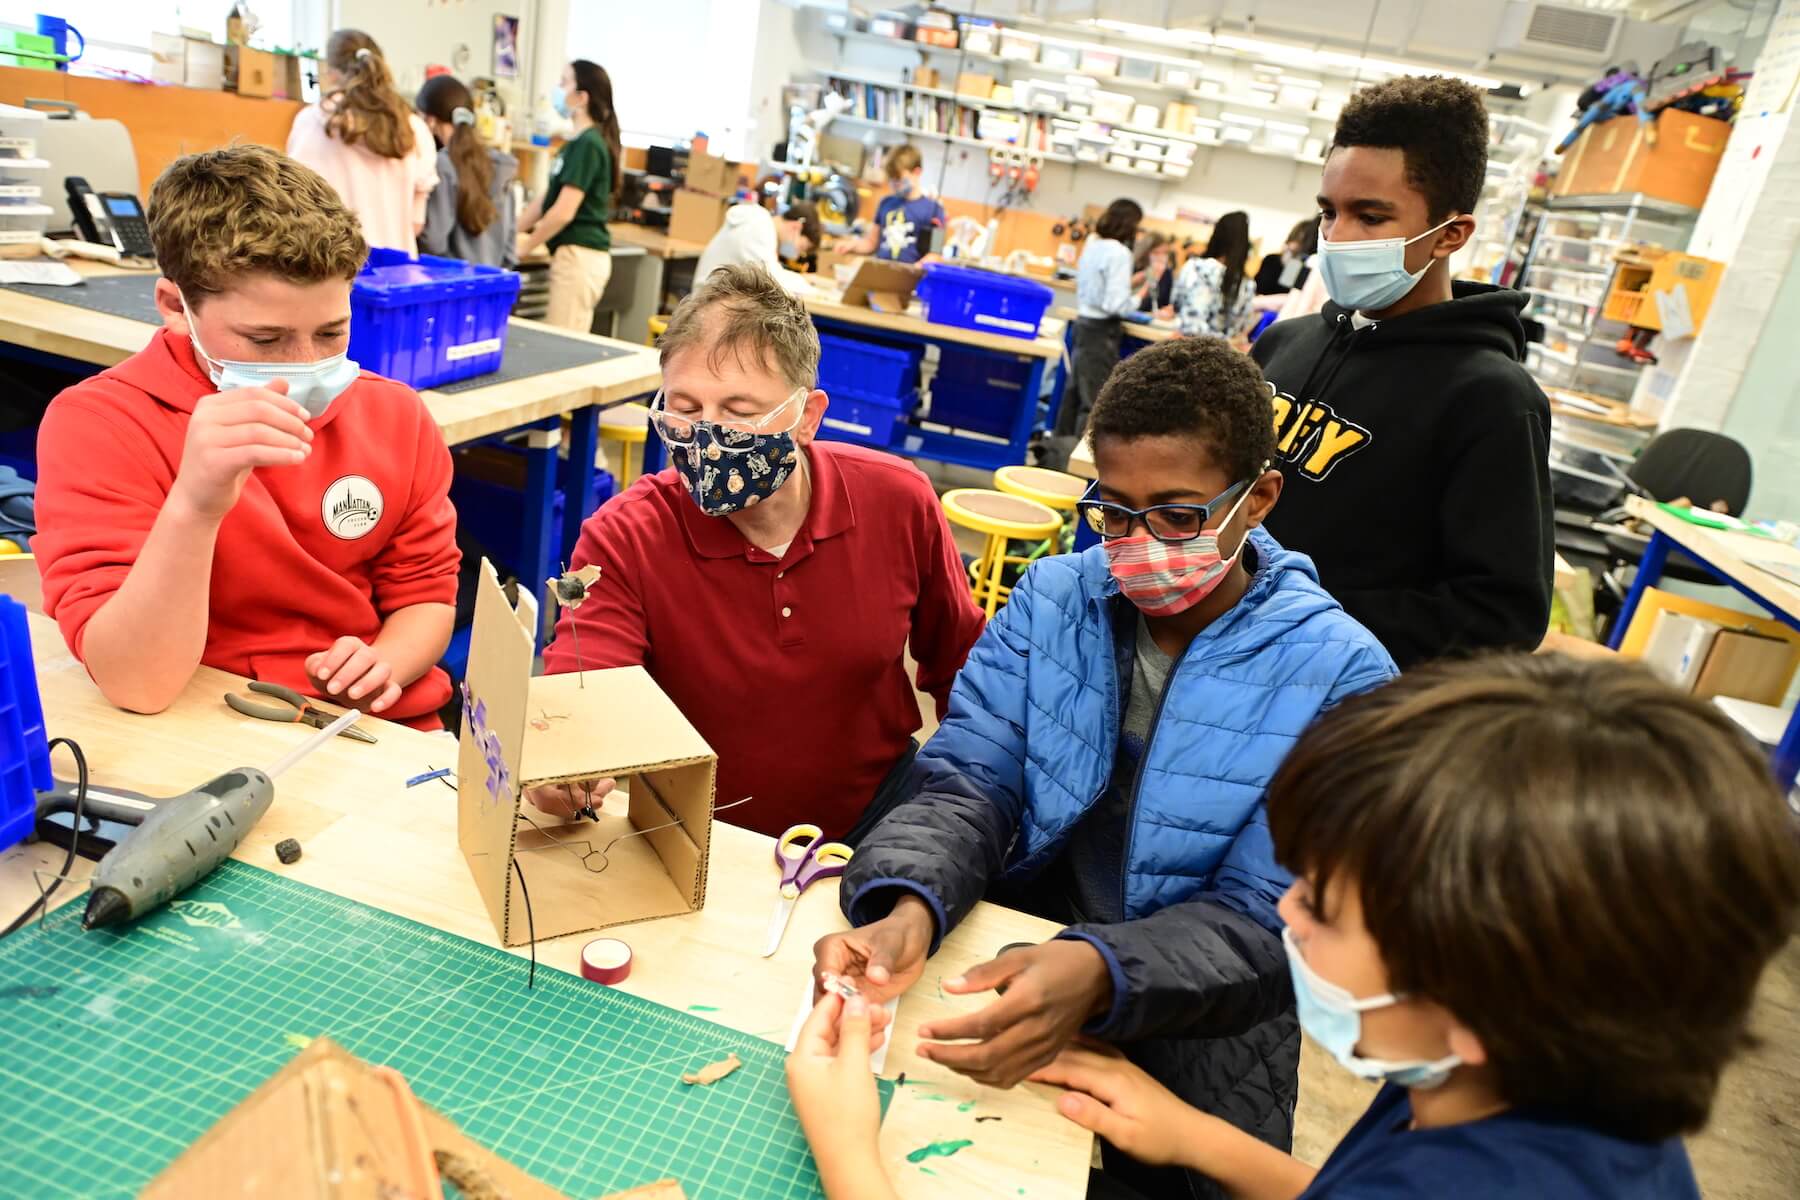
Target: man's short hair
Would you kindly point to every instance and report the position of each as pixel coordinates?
(901, 159)
(227, 213)
(1192, 387)
(740, 311)
(1439, 124)
(1587, 868)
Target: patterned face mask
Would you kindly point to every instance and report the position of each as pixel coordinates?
(1165, 578)
(727, 471)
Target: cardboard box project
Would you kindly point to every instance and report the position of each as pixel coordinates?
(696, 216)
(520, 732)
(1617, 158)
(882, 284)
(205, 65)
(249, 72)
(710, 174)
(1746, 665)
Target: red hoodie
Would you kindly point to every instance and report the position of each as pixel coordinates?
(310, 553)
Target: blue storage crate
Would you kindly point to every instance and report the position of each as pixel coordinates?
(24, 750)
(984, 300)
(870, 370)
(868, 420)
(427, 320)
(979, 391)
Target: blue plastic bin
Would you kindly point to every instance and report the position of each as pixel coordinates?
(24, 750)
(979, 391)
(871, 370)
(984, 300)
(427, 320)
(868, 420)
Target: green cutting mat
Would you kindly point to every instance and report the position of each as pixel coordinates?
(119, 1048)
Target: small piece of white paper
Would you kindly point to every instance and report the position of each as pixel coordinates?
(51, 273)
(1677, 316)
(877, 1058)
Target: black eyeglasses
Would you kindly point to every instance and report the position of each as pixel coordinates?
(1166, 522)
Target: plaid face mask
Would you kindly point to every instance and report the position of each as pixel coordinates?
(1165, 578)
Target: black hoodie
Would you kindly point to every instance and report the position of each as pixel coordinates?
(1415, 456)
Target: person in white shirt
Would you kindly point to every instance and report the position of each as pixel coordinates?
(1103, 296)
(751, 235)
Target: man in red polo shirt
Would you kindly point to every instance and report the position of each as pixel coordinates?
(770, 582)
(237, 493)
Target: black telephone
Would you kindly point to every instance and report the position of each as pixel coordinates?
(109, 218)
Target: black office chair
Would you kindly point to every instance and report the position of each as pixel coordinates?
(1703, 466)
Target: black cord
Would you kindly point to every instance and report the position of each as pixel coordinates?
(81, 787)
(530, 926)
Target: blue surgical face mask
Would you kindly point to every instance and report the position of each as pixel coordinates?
(1332, 1017)
(314, 385)
(560, 103)
(1370, 276)
(790, 249)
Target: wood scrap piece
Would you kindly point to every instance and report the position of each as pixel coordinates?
(713, 1072)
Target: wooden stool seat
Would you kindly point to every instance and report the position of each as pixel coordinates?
(628, 425)
(658, 327)
(1053, 489)
(1002, 518)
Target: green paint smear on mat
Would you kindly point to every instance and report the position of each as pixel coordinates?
(938, 1150)
(936, 1097)
(298, 1041)
(702, 1008)
(927, 1171)
(965, 1106)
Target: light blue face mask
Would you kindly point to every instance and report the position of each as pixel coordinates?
(314, 385)
(1332, 1017)
(560, 103)
(1369, 276)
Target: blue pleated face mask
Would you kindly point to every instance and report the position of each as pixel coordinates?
(314, 385)
(1332, 1017)
(1371, 275)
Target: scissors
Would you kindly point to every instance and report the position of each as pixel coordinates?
(298, 711)
(804, 859)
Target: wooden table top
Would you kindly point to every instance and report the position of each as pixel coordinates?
(366, 836)
(1733, 553)
(823, 302)
(104, 339)
(654, 241)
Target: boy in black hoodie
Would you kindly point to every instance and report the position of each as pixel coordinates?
(1414, 445)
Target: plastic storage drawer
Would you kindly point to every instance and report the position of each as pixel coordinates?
(871, 370)
(426, 320)
(983, 300)
(24, 752)
(978, 391)
(868, 420)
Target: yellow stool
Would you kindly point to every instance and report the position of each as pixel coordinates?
(1002, 518)
(1052, 489)
(628, 425)
(658, 327)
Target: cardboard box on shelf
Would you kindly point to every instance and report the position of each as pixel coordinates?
(927, 77)
(289, 80)
(618, 724)
(249, 72)
(205, 65)
(1179, 117)
(168, 58)
(1746, 665)
(972, 83)
(1616, 157)
(710, 174)
(695, 216)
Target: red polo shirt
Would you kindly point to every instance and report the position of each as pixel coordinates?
(791, 669)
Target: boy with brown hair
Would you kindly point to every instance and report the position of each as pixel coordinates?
(237, 493)
(1533, 898)
(907, 221)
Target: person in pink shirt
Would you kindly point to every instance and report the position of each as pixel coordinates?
(368, 143)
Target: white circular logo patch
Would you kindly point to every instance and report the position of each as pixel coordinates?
(352, 507)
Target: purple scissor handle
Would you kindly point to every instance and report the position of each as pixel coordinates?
(804, 859)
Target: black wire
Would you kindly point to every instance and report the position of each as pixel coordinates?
(81, 787)
(530, 926)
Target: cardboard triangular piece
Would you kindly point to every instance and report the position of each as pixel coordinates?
(893, 282)
(521, 732)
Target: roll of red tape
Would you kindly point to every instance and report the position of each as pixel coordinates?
(605, 960)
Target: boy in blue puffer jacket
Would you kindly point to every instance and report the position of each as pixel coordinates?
(1103, 764)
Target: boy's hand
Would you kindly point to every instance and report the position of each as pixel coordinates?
(884, 958)
(231, 434)
(356, 670)
(1051, 991)
(1119, 1101)
(834, 1091)
(567, 800)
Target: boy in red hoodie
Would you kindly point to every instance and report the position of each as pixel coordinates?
(237, 493)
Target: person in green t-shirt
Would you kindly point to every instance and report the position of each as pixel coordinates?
(571, 215)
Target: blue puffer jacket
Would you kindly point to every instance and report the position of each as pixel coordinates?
(1028, 748)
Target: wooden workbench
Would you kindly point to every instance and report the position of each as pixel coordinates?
(1047, 345)
(366, 836)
